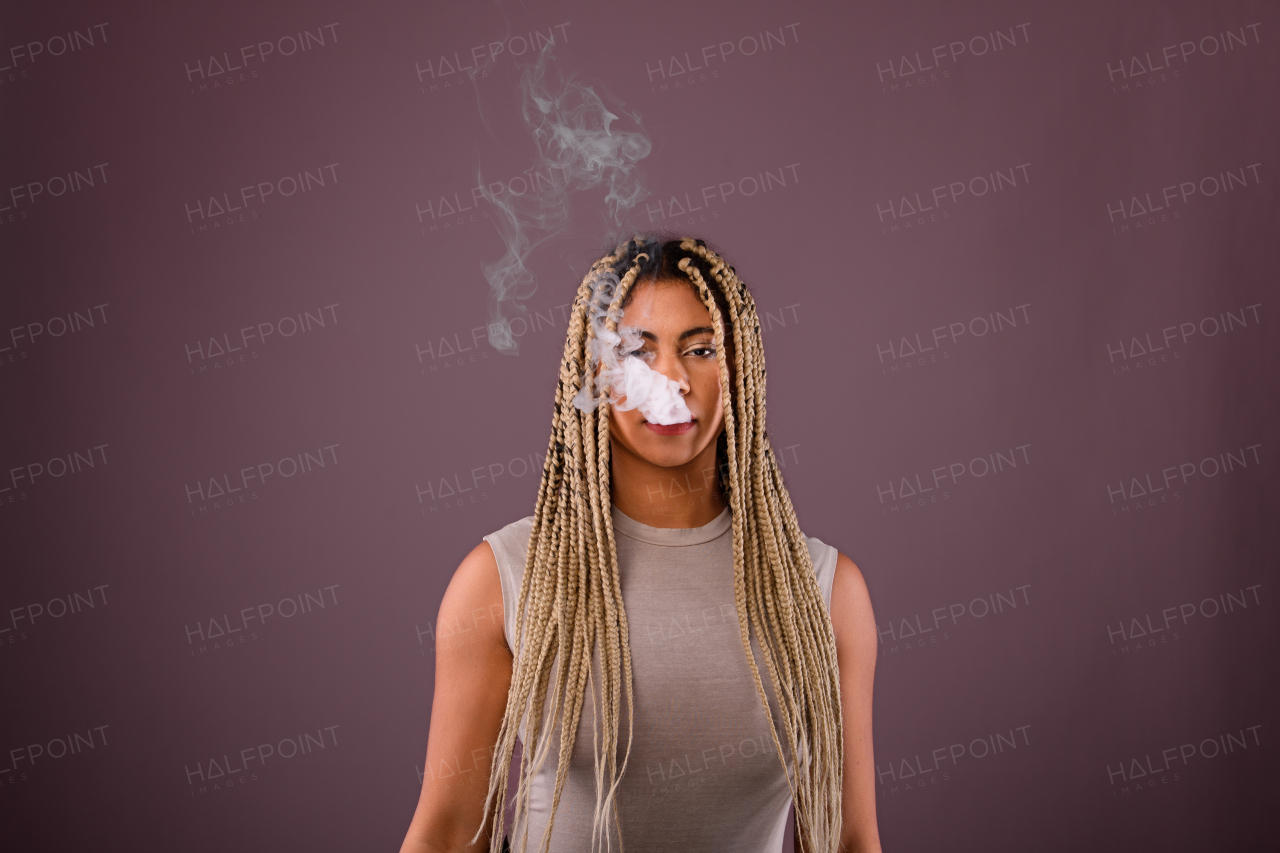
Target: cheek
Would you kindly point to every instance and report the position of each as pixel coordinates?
(626, 422)
(707, 385)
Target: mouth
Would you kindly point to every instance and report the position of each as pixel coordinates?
(671, 429)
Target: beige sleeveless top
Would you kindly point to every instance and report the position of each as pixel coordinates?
(703, 774)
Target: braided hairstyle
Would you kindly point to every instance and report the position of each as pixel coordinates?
(570, 603)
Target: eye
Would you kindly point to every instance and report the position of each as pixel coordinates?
(702, 351)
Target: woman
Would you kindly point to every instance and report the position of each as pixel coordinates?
(662, 548)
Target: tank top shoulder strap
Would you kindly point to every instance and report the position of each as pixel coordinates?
(824, 566)
(510, 545)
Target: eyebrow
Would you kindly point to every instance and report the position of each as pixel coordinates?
(650, 336)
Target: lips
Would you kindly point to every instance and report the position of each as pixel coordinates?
(670, 429)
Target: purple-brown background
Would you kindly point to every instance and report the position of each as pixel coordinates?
(1080, 367)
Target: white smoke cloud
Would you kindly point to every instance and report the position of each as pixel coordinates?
(624, 373)
(658, 398)
(578, 145)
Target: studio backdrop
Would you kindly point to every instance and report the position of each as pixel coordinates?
(285, 288)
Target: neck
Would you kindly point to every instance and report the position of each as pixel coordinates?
(680, 496)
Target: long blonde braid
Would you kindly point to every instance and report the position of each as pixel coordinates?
(570, 604)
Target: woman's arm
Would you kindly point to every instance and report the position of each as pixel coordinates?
(473, 673)
(856, 639)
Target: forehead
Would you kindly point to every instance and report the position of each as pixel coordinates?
(665, 304)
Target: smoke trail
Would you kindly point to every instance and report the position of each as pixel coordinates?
(578, 147)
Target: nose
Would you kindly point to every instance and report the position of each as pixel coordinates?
(672, 367)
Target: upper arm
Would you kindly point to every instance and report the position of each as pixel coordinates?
(856, 648)
(473, 674)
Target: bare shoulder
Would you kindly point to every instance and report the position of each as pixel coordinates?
(848, 583)
(850, 601)
(473, 600)
(477, 571)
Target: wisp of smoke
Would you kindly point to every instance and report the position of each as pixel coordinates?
(578, 146)
(623, 368)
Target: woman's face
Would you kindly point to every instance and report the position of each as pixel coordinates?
(680, 344)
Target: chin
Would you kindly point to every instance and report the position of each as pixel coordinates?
(666, 451)
(669, 457)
